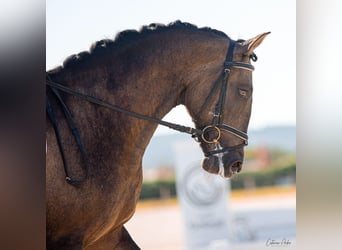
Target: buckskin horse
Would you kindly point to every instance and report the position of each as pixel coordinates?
(104, 105)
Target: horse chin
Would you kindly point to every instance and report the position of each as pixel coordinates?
(227, 167)
(211, 164)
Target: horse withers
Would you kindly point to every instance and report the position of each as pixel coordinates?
(104, 105)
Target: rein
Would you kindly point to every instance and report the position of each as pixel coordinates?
(100, 102)
(199, 134)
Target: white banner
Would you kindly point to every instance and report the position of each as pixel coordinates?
(204, 201)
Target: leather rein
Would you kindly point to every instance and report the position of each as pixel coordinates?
(200, 134)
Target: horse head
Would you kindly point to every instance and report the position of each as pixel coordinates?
(222, 110)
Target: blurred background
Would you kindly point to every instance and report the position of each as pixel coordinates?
(261, 199)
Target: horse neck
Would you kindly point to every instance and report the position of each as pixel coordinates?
(146, 79)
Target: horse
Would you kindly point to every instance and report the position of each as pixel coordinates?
(103, 106)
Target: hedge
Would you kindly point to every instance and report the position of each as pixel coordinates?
(273, 176)
(269, 177)
(158, 189)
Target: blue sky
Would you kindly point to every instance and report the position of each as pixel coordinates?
(72, 26)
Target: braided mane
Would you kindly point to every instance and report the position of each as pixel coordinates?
(126, 36)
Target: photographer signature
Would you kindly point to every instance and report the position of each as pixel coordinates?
(278, 243)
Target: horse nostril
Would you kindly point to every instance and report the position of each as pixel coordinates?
(236, 167)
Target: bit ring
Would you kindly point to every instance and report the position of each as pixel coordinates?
(213, 141)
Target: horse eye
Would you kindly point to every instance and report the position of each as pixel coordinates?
(243, 92)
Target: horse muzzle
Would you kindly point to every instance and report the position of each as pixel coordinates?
(225, 164)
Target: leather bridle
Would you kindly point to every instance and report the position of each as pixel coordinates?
(217, 124)
(200, 134)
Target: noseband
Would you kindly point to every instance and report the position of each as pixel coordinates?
(217, 124)
(200, 134)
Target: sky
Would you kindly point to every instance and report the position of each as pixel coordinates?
(72, 26)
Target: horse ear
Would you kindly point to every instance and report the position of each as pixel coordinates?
(252, 43)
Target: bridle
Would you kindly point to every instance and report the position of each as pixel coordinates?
(200, 134)
(217, 124)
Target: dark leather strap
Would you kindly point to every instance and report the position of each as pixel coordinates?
(77, 137)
